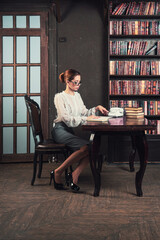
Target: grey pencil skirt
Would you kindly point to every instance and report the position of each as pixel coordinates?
(61, 133)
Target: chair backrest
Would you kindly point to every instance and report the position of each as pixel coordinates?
(35, 119)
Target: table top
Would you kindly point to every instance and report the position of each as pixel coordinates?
(120, 124)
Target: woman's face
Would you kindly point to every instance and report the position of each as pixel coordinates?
(75, 83)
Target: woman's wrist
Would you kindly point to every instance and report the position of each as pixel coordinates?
(97, 108)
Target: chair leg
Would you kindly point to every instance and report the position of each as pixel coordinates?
(34, 169)
(40, 165)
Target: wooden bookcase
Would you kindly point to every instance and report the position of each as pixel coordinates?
(134, 64)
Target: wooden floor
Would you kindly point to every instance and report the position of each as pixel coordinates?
(41, 213)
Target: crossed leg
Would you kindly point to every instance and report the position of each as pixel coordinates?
(81, 156)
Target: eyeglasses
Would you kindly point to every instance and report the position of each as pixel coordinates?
(77, 83)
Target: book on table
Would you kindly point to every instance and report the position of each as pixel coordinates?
(134, 112)
(138, 115)
(133, 109)
(99, 119)
(134, 121)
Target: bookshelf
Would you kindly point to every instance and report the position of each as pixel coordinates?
(133, 40)
(134, 56)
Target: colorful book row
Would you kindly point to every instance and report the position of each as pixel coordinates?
(135, 27)
(137, 8)
(134, 67)
(134, 48)
(128, 47)
(139, 87)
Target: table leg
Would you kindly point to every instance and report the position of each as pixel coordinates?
(132, 154)
(142, 148)
(94, 152)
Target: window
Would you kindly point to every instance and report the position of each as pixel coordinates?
(23, 71)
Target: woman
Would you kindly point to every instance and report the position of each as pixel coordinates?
(71, 112)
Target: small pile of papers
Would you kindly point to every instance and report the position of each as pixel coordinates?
(134, 113)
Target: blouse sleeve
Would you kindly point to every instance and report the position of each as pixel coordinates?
(64, 113)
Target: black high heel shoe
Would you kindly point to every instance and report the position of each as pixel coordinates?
(57, 186)
(69, 182)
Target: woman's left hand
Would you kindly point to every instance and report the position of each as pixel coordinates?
(103, 110)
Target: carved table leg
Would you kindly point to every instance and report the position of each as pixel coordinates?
(132, 154)
(94, 150)
(142, 148)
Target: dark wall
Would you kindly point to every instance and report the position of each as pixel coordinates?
(82, 30)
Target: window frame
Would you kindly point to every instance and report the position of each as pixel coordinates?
(42, 32)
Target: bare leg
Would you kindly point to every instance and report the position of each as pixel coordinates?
(82, 156)
(82, 165)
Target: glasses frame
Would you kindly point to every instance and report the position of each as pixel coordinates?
(76, 83)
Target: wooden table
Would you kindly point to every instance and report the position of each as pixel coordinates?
(136, 129)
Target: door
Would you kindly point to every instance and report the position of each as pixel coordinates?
(23, 70)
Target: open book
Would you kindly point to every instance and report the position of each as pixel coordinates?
(99, 119)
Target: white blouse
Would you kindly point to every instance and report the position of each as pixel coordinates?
(71, 109)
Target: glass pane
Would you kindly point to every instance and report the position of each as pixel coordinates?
(7, 21)
(32, 144)
(7, 49)
(21, 111)
(21, 83)
(21, 49)
(7, 79)
(20, 21)
(35, 79)
(21, 139)
(34, 21)
(7, 110)
(8, 140)
(37, 99)
(34, 49)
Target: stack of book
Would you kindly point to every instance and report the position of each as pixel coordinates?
(134, 113)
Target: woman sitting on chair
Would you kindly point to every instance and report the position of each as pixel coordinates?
(71, 112)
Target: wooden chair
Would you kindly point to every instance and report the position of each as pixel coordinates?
(42, 146)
